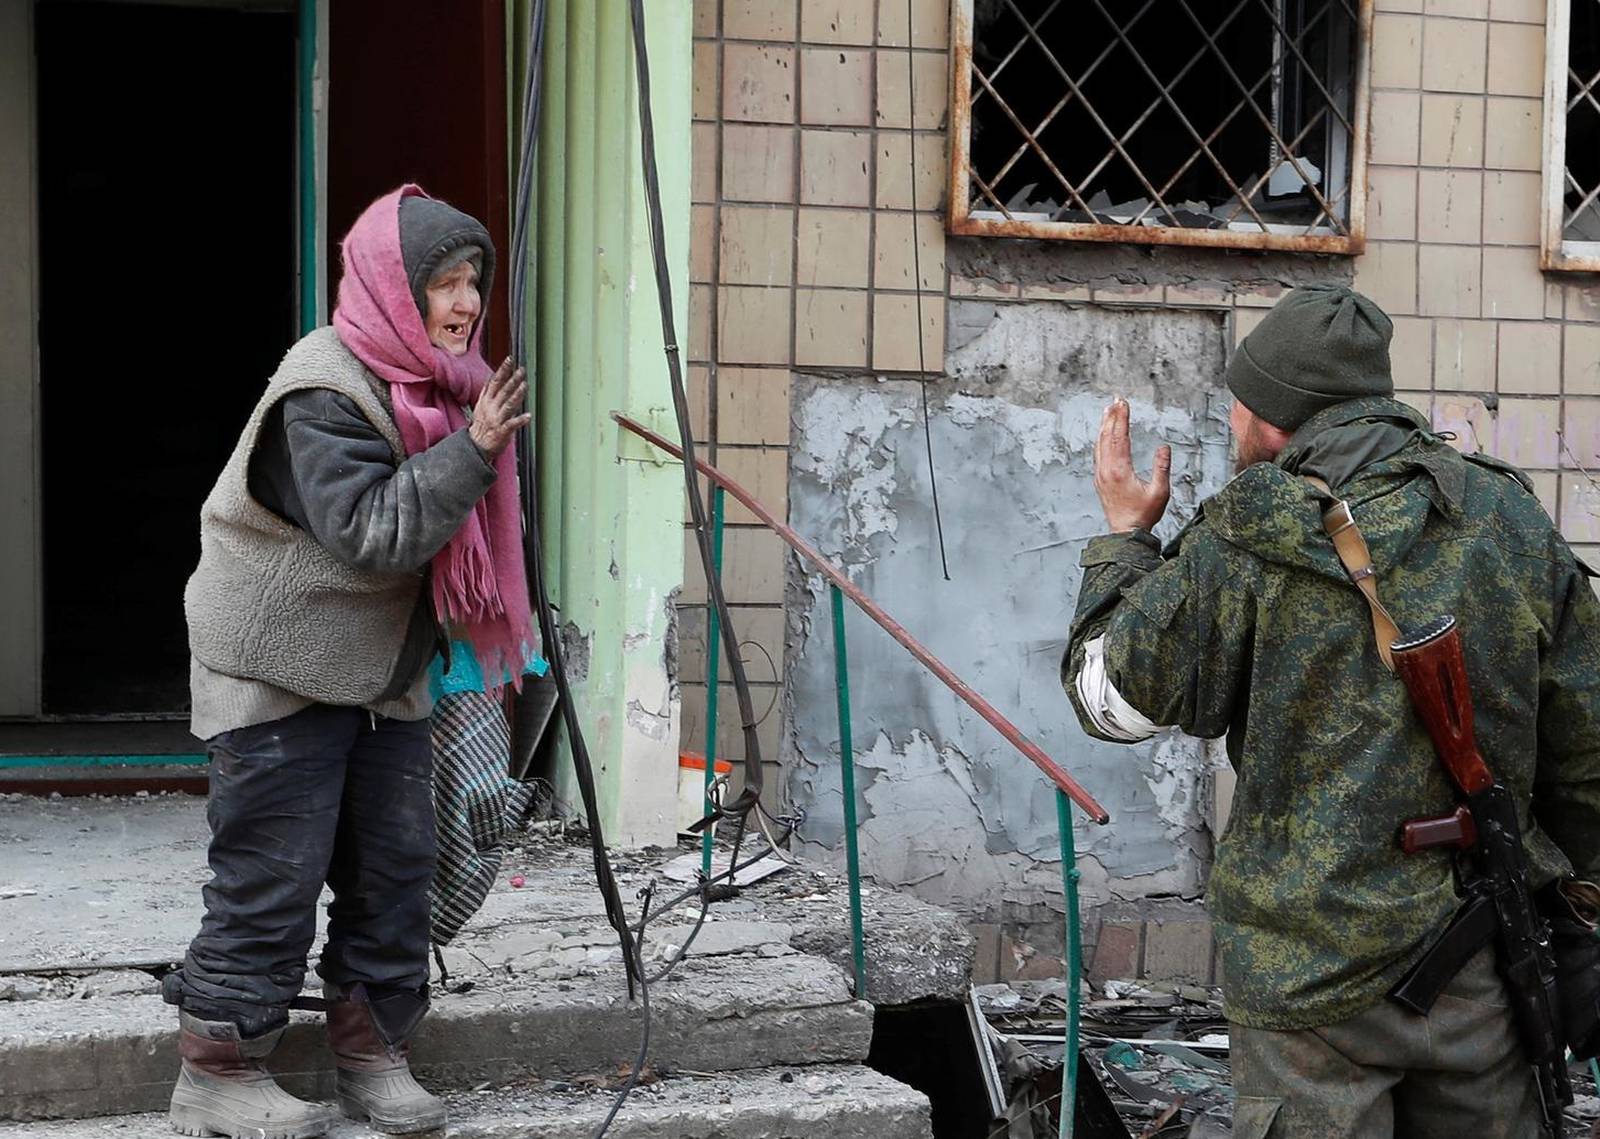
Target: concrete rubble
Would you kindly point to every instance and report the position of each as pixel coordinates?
(1158, 1057)
(535, 1005)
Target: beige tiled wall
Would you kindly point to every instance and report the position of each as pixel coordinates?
(808, 256)
(1504, 355)
(808, 116)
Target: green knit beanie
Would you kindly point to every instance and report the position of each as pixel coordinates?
(1320, 345)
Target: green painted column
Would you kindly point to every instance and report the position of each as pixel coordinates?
(613, 512)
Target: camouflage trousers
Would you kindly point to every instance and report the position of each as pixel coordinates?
(1387, 1073)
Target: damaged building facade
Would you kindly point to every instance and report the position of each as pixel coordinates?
(931, 241)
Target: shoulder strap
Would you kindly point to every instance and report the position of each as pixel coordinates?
(1351, 547)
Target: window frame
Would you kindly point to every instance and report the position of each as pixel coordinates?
(961, 219)
(1556, 254)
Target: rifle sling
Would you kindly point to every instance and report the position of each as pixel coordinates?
(1340, 523)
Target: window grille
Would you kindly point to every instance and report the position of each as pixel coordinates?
(1183, 122)
(1572, 136)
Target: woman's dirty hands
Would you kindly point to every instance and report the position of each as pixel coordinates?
(499, 413)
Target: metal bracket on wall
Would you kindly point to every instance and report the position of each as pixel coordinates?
(631, 448)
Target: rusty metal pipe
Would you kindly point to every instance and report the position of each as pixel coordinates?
(1052, 770)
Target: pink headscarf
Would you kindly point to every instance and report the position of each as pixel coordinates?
(480, 586)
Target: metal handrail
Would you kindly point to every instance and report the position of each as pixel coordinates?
(1067, 788)
(1035, 754)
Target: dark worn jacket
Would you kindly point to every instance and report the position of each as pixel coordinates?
(323, 465)
(286, 612)
(1247, 627)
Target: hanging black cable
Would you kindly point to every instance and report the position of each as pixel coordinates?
(533, 544)
(631, 938)
(747, 798)
(916, 269)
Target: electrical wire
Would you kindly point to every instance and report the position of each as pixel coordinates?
(533, 544)
(916, 269)
(750, 794)
(550, 633)
(644, 1037)
(631, 937)
(749, 798)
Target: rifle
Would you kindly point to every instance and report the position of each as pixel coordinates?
(1490, 867)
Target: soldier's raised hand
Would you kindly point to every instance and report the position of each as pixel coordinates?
(1129, 502)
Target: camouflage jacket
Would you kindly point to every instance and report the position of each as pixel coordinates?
(1246, 626)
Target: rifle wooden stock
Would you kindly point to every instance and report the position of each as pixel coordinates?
(1492, 873)
(1431, 665)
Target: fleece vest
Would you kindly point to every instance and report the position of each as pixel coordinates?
(268, 602)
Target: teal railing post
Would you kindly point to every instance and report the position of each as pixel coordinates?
(1069, 884)
(713, 673)
(847, 776)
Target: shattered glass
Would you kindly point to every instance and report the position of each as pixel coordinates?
(1203, 114)
(1155, 1062)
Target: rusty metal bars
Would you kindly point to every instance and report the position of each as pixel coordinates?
(1061, 104)
(1336, 114)
(1571, 232)
(1582, 98)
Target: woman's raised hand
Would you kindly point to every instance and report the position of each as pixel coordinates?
(499, 413)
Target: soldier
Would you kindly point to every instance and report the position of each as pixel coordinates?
(1247, 626)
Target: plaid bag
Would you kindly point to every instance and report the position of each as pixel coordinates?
(476, 805)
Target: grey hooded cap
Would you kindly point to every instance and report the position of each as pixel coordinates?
(432, 236)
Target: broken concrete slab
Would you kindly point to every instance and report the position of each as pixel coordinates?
(117, 983)
(75, 1058)
(915, 952)
(826, 1102)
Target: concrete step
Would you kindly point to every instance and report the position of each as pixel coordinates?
(115, 884)
(107, 895)
(822, 1102)
(74, 1058)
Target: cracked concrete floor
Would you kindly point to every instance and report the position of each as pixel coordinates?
(91, 884)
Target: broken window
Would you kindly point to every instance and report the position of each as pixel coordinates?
(1194, 122)
(1572, 145)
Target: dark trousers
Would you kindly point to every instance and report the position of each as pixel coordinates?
(326, 795)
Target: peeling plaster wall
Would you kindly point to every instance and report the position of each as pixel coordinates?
(947, 809)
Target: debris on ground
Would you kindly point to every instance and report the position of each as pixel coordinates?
(1157, 1053)
(686, 869)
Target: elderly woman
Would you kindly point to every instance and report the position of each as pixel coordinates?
(363, 512)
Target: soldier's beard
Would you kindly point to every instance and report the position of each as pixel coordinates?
(1249, 448)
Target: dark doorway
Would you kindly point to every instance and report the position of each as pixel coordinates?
(416, 98)
(167, 282)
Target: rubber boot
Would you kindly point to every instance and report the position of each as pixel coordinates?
(371, 1048)
(223, 1088)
